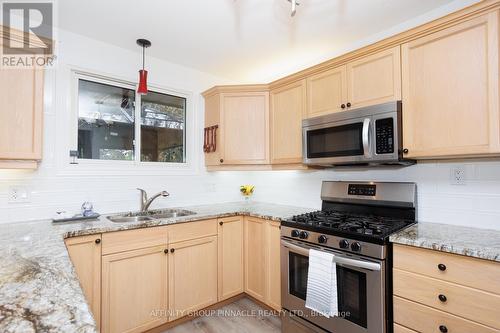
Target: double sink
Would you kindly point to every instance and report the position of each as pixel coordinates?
(149, 215)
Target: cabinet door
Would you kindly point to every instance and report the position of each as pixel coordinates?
(134, 290)
(374, 79)
(230, 242)
(85, 254)
(245, 128)
(326, 92)
(287, 112)
(274, 276)
(192, 275)
(21, 116)
(450, 91)
(256, 263)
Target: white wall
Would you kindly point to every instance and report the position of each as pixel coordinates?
(55, 186)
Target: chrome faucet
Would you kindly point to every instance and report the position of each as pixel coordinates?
(145, 202)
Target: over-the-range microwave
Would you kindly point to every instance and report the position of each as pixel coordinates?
(370, 135)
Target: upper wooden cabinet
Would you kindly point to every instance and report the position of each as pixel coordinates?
(21, 116)
(326, 92)
(85, 254)
(287, 112)
(374, 79)
(243, 127)
(450, 91)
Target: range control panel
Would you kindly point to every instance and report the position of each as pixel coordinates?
(362, 189)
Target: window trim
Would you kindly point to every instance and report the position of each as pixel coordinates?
(136, 166)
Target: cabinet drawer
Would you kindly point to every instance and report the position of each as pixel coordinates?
(428, 320)
(128, 240)
(192, 230)
(402, 329)
(471, 272)
(473, 304)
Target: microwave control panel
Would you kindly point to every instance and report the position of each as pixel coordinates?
(384, 136)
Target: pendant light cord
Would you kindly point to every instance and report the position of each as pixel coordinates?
(143, 56)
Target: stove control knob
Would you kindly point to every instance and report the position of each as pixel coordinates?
(304, 235)
(295, 233)
(344, 244)
(356, 247)
(322, 239)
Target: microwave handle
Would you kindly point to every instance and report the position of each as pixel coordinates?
(372, 266)
(366, 137)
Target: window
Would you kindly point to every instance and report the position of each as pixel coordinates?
(115, 123)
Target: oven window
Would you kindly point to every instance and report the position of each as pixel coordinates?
(351, 288)
(345, 140)
(298, 268)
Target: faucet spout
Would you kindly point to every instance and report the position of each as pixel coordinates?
(145, 202)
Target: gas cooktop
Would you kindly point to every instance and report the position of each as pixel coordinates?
(355, 226)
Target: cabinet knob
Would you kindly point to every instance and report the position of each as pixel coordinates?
(98, 241)
(405, 151)
(442, 267)
(348, 104)
(221, 223)
(221, 160)
(443, 329)
(442, 298)
(165, 251)
(172, 250)
(342, 106)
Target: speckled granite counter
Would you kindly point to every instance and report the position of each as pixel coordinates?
(472, 242)
(39, 290)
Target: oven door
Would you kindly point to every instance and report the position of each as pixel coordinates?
(360, 289)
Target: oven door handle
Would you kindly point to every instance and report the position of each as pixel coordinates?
(366, 137)
(372, 266)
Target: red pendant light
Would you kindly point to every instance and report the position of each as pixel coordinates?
(143, 74)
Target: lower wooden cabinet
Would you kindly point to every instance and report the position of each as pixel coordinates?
(134, 290)
(192, 278)
(85, 254)
(230, 243)
(262, 261)
(437, 292)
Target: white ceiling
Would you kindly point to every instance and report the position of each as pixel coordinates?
(245, 40)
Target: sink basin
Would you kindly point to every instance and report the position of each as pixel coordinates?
(128, 219)
(150, 215)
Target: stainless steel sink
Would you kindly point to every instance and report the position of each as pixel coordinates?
(149, 215)
(128, 219)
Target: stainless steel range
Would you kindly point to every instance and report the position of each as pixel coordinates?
(354, 224)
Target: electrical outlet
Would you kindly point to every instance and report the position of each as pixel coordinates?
(458, 175)
(18, 194)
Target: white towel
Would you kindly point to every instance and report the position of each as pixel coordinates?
(322, 284)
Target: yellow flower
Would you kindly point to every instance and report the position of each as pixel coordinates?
(247, 189)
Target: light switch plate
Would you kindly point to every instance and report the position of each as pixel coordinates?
(18, 194)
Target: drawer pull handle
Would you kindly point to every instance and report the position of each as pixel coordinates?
(443, 329)
(442, 298)
(442, 267)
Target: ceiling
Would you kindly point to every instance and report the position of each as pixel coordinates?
(243, 40)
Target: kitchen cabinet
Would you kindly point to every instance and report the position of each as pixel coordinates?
(243, 127)
(262, 261)
(451, 92)
(444, 290)
(374, 79)
(256, 263)
(327, 92)
(231, 262)
(21, 117)
(135, 290)
(274, 267)
(287, 111)
(192, 275)
(85, 254)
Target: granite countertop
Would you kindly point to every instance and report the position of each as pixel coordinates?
(472, 242)
(39, 289)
